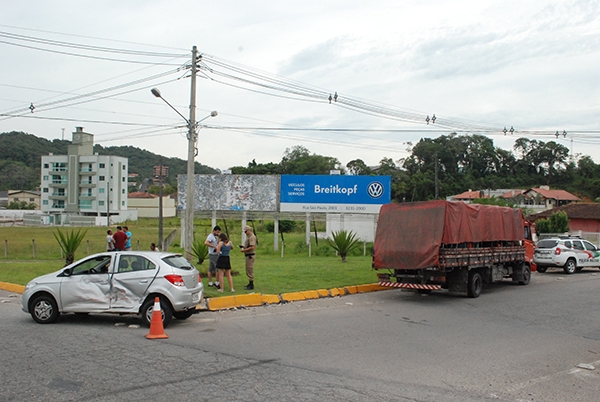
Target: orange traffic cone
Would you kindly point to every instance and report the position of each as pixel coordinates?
(157, 331)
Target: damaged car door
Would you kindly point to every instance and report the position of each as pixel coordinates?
(130, 282)
(85, 287)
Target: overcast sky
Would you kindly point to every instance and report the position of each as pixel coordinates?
(479, 66)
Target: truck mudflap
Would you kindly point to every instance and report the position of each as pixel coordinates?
(417, 286)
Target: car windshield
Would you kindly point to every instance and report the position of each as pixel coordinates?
(548, 243)
(178, 261)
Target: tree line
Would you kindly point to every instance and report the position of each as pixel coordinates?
(460, 163)
(443, 166)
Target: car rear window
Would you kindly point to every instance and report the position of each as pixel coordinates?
(178, 261)
(547, 243)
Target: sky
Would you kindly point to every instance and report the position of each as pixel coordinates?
(269, 67)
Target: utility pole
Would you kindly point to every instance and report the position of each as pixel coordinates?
(188, 234)
(160, 205)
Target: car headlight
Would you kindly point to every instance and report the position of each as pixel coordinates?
(30, 285)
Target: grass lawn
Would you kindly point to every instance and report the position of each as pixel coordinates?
(27, 252)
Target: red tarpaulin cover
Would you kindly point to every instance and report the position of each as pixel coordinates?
(409, 235)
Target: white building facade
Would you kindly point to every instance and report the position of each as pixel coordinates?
(84, 184)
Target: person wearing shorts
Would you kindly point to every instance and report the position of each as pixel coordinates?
(224, 262)
(212, 242)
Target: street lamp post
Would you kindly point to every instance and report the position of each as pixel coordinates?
(187, 237)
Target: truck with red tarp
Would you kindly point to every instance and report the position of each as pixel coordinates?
(436, 245)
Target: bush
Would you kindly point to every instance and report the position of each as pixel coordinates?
(284, 226)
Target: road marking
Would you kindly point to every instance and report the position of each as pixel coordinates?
(534, 381)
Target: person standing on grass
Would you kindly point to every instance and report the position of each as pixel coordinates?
(128, 243)
(249, 250)
(119, 238)
(212, 242)
(224, 262)
(110, 243)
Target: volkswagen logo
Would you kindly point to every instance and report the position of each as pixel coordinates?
(375, 189)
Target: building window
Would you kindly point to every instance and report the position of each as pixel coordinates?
(123, 191)
(100, 203)
(101, 190)
(123, 167)
(123, 203)
(45, 190)
(100, 178)
(46, 166)
(45, 178)
(101, 165)
(45, 202)
(123, 179)
(31, 199)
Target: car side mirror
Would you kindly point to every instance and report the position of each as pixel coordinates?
(66, 272)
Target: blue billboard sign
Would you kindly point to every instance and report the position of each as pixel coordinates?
(334, 194)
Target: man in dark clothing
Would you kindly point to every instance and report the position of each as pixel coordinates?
(120, 239)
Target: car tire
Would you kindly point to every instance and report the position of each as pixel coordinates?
(183, 315)
(541, 269)
(570, 266)
(526, 274)
(475, 284)
(148, 309)
(44, 309)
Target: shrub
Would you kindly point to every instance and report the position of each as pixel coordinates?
(343, 242)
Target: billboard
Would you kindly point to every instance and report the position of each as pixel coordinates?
(334, 194)
(231, 192)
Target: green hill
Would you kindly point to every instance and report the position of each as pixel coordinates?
(20, 160)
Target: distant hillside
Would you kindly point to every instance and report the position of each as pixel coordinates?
(20, 159)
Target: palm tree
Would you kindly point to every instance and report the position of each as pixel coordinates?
(343, 242)
(69, 243)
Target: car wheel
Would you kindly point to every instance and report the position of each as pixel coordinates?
(148, 309)
(183, 315)
(570, 266)
(526, 275)
(44, 310)
(541, 269)
(475, 284)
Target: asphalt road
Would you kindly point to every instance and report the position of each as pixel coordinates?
(514, 343)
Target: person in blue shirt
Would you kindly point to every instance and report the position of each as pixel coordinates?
(224, 262)
(128, 242)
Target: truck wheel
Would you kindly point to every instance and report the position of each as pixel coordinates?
(526, 275)
(570, 266)
(475, 284)
(541, 269)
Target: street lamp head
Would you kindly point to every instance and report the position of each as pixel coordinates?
(155, 92)
(213, 113)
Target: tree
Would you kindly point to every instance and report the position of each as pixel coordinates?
(298, 160)
(358, 167)
(558, 222)
(20, 205)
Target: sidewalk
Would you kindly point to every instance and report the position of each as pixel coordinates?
(258, 299)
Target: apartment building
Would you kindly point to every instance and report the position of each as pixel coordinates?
(83, 183)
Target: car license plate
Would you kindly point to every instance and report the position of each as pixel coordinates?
(195, 297)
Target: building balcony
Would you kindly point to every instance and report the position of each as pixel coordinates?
(87, 197)
(58, 183)
(58, 196)
(87, 172)
(57, 171)
(87, 184)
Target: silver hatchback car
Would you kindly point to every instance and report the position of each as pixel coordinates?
(117, 282)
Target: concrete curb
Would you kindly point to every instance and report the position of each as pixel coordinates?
(11, 287)
(259, 299)
(255, 299)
